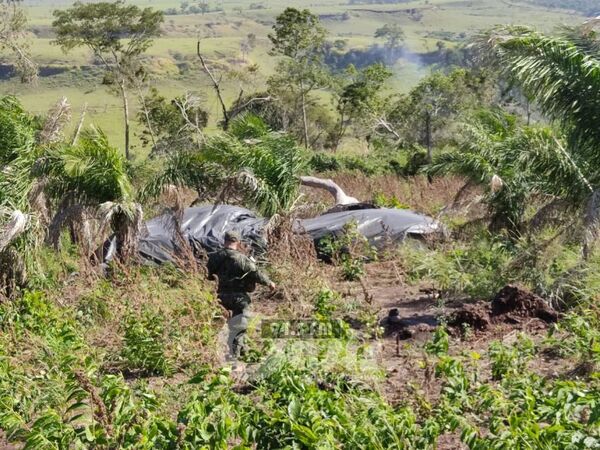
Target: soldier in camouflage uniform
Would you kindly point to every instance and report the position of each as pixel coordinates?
(237, 276)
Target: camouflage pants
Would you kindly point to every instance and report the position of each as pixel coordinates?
(238, 303)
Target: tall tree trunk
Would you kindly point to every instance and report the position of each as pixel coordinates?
(126, 117)
(142, 98)
(428, 142)
(304, 121)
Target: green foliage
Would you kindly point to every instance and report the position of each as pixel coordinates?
(107, 28)
(291, 393)
(558, 72)
(325, 303)
(299, 37)
(20, 231)
(380, 162)
(578, 335)
(425, 115)
(358, 100)
(18, 152)
(393, 35)
(117, 34)
(13, 29)
(513, 410)
(93, 170)
(510, 360)
(349, 250)
(479, 270)
(144, 344)
(384, 201)
(17, 129)
(440, 343)
(511, 162)
(165, 124)
(263, 166)
(297, 34)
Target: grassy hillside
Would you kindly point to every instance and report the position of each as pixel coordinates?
(424, 22)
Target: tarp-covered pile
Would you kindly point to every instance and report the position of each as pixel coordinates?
(205, 226)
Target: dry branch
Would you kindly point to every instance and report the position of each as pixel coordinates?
(15, 226)
(216, 85)
(341, 198)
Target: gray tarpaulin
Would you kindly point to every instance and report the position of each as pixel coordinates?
(206, 226)
(379, 225)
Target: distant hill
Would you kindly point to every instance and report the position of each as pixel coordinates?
(588, 8)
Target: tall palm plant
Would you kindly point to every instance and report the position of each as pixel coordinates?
(512, 162)
(20, 233)
(562, 74)
(250, 160)
(91, 182)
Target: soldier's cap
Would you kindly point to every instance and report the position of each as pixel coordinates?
(233, 236)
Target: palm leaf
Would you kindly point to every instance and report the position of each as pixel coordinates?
(562, 73)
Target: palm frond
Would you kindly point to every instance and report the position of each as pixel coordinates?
(263, 165)
(562, 73)
(184, 168)
(93, 170)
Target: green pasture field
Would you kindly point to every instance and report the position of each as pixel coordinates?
(223, 32)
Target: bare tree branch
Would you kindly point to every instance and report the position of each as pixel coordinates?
(238, 109)
(80, 124)
(216, 85)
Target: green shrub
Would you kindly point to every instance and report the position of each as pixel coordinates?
(375, 163)
(144, 344)
(349, 250)
(325, 303)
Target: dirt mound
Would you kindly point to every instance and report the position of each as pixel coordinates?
(510, 306)
(476, 317)
(514, 301)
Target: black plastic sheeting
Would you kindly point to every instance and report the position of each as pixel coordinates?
(205, 226)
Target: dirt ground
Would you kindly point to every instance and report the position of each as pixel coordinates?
(416, 312)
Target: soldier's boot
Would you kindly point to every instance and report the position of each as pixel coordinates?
(237, 334)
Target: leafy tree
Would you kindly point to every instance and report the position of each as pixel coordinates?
(299, 37)
(248, 44)
(171, 125)
(13, 24)
(117, 34)
(393, 35)
(429, 107)
(359, 100)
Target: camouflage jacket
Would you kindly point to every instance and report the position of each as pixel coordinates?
(235, 271)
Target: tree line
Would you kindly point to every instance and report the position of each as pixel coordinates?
(476, 121)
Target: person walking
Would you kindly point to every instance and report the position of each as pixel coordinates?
(237, 276)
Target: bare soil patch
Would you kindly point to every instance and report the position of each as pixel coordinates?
(511, 306)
